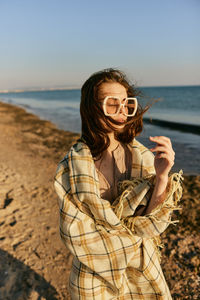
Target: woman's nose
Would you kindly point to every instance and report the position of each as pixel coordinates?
(122, 109)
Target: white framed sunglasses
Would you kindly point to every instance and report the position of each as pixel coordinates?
(112, 106)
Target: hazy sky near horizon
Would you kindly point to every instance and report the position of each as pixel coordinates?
(61, 43)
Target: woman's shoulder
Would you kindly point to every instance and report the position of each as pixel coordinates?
(78, 162)
(79, 149)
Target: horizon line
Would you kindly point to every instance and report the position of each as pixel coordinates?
(43, 89)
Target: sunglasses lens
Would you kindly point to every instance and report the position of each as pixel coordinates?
(130, 107)
(112, 105)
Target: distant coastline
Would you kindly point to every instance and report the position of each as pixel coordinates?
(38, 90)
(46, 89)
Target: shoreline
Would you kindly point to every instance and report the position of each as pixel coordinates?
(183, 126)
(185, 148)
(34, 262)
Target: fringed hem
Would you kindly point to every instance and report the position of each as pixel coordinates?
(173, 196)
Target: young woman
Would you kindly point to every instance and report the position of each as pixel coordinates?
(115, 197)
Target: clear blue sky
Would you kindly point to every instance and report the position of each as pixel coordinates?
(60, 43)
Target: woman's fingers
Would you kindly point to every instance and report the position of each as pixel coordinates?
(161, 140)
(163, 145)
(164, 155)
(164, 149)
(160, 149)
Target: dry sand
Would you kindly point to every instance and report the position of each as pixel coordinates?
(34, 264)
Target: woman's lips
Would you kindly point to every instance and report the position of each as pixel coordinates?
(121, 120)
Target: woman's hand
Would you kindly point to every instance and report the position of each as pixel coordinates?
(164, 158)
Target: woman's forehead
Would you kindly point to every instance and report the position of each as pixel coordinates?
(111, 88)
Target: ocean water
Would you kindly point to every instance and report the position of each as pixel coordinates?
(175, 104)
(177, 111)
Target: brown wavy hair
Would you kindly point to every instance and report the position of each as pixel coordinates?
(94, 132)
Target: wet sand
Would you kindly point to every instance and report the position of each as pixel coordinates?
(34, 264)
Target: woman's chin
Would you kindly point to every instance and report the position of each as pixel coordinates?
(120, 127)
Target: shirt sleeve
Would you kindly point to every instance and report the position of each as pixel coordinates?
(104, 249)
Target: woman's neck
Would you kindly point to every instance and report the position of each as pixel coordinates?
(113, 142)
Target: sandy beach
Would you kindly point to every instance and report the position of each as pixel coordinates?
(34, 263)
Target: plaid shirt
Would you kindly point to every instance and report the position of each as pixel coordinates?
(115, 256)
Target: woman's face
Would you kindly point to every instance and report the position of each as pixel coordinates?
(114, 89)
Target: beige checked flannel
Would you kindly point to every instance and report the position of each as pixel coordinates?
(115, 254)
